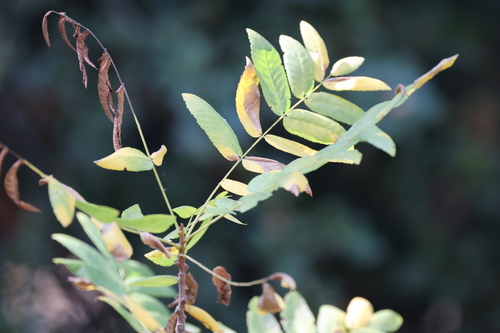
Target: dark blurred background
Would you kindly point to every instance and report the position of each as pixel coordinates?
(418, 233)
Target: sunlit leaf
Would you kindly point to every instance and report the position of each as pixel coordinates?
(260, 323)
(62, 202)
(156, 281)
(356, 83)
(316, 48)
(160, 259)
(366, 330)
(116, 242)
(298, 65)
(269, 301)
(233, 219)
(185, 212)
(126, 159)
(157, 156)
(117, 120)
(334, 107)
(133, 212)
(346, 65)
(379, 139)
(358, 314)
(104, 86)
(248, 100)
(386, 320)
(297, 317)
(261, 164)
(270, 72)
(103, 214)
(203, 317)
(223, 288)
(330, 319)
(141, 314)
(93, 231)
(235, 187)
(154, 223)
(217, 129)
(312, 126)
(295, 183)
(289, 146)
(441, 66)
(136, 324)
(11, 186)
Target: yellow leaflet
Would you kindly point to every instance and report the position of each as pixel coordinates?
(316, 48)
(62, 202)
(203, 317)
(157, 156)
(126, 159)
(116, 242)
(248, 100)
(142, 314)
(235, 187)
(346, 65)
(356, 83)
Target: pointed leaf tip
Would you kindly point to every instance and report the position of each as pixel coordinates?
(441, 66)
(157, 156)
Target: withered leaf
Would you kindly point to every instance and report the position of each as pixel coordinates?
(286, 280)
(104, 86)
(171, 323)
(3, 153)
(117, 122)
(45, 29)
(82, 51)
(269, 302)
(81, 283)
(62, 30)
(154, 243)
(191, 291)
(12, 188)
(223, 289)
(248, 100)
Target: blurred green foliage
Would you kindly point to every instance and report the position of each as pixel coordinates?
(417, 233)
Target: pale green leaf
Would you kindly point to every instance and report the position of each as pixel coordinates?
(297, 317)
(185, 212)
(217, 129)
(133, 212)
(265, 182)
(101, 213)
(260, 323)
(76, 266)
(62, 202)
(316, 48)
(153, 306)
(386, 320)
(136, 324)
(312, 126)
(334, 107)
(366, 330)
(355, 83)
(250, 201)
(94, 235)
(378, 138)
(156, 281)
(136, 268)
(298, 65)
(346, 65)
(271, 74)
(233, 219)
(158, 292)
(154, 223)
(330, 319)
(126, 159)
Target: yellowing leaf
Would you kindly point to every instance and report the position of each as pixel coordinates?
(346, 65)
(235, 187)
(142, 314)
(126, 159)
(203, 317)
(443, 64)
(160, 259)
(185, 211)
(316, 48)
(358, 314)
(248, 100)
(116, 242)
(261, 164)
(158, 155)
(312, 126)
(356, 83)
(62, 202)
(289, 146)
(295, 182)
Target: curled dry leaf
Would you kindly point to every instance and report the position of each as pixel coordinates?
(3, 153)
(62, 30)
(286, 280)
(45, 29)
(12, 188)
(248, 100)
(154, 243)
(117, 121)
(171, 323)
(104, 86)
(223, 288)
(269, 302)
(191, 291)
(82, 51)
(81, 283)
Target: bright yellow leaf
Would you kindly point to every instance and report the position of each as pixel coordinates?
(316, 48)
(248, 100)
(142, 314)
(203, 317)
(356, 83)
(158, 155)
(235, 187)
(116, 242)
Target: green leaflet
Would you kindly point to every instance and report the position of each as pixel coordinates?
(136, 324)
(334, 107)
(386, 320)
(156, 281)
(154, 223)
(257, 323)
(297, 317)
(299, 66)
(94, 234)
(312, 126)
(216, 127)
(378, 138)
(104, 214)
(154, 307)
(330, 319)
(133, 212)
(270, 72)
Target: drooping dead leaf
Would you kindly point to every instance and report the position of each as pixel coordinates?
(191, 291)
(154, 243)
(248, 100)
(443, 64)
(81, 283)
(117, 120)
(269, 302)
(45, 29)
(223, 288)
(82, 51)
(104, 86)
(203, 317)
(286, 280)
(3, 153)
(261, 164)
(12, 188)
(62, 30)
(171, 323)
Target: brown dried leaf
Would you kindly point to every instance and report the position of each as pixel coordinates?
(261, 164)
(3, 153)
(62, 30)
(171, 323)
(223, 289)
(104, 86)
(269, 302)
(117, 123)
(191, 291)
(154, 243)
(286, 280)
(45, 29)
(81, 283)
(12, 188)
(82, 51)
